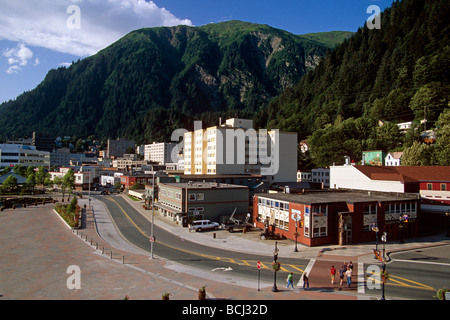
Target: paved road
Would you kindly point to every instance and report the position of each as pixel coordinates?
(137, 229)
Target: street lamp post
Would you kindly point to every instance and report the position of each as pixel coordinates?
(384, 239)
(152, 239)
(275, 261)
(448, 222)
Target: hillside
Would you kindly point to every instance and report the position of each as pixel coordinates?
(397, 73)
(154, 80)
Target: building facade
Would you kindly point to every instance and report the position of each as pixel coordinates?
(331, 217)
(117, 148)
(16, 154)
(160, 153)
(236, 148)
(393, 159)
(183, 202)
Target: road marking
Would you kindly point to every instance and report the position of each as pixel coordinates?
(295, 267)
(307, 270)
(361, 282)
(425, 262)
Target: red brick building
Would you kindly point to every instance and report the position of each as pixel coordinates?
(128, 180)
(333, 217)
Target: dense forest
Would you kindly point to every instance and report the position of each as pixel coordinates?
(394, 74)
(155, 80)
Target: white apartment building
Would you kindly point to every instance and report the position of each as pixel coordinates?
(159, 152)
(24, 155)
(236, 148)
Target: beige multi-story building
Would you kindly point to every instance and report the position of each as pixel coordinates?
(236, 148)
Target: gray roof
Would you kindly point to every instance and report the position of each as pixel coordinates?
(336, 196)
(20, 179)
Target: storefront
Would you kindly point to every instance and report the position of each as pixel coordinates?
(336, 217)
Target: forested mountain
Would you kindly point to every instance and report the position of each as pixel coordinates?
(155, 80)
(397, 73)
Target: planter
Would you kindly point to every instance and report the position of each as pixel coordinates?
(165, 296)
(202, 293)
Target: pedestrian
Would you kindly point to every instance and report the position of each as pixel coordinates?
(341, 275)
(333, 274)
(349, 276)
(289, 280)
(305, 281)
(350, 265)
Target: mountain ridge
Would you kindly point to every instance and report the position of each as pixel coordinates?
(174, 72)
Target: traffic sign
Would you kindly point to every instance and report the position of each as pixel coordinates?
(152, 239)
(258, 264)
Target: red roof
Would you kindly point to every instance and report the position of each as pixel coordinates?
(407, 173)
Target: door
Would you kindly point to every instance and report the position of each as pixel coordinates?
(348, 229)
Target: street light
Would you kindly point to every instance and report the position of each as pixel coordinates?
(275, 268)
(152, 239)
(448, 222)
(296, 218)
(384, 239)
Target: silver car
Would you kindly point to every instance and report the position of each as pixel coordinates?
(201, 225)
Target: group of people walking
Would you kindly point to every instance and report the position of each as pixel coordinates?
(346, 271)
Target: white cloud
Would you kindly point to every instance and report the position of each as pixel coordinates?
(13, 69)
(97, 23)
(19, 55)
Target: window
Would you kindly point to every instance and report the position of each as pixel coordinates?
(192, 196)
(429, 186)
(370, 216)
(443, 187)
(200, 196)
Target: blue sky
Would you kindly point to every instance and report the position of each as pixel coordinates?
(36, 36)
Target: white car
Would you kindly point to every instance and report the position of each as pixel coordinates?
(201, 225)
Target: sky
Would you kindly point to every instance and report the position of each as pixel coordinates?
(36, 36)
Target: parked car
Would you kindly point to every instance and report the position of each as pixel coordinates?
(201, 225)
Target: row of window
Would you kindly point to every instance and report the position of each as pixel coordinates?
(443, 186)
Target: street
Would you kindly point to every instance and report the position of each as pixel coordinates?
(137, 229)
(413, 274)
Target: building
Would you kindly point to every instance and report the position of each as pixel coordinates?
(43, 142)
(110, 177)
(117, 148)
(128, 180)
(393, 159)
(432, 183)
(24, 155)
(321, 175)
(129, 162)
(85, 176)
(304, 176)
(160, 153)
(64, 158)
(332, 217)
(184, 202)
(236, 148)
